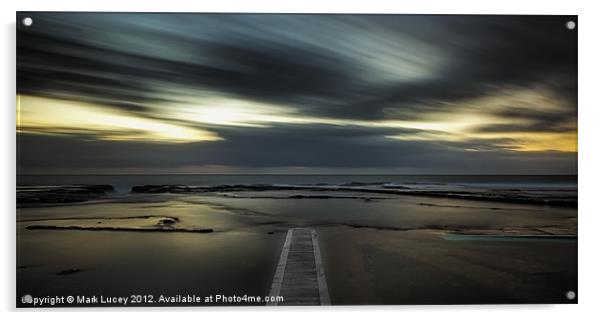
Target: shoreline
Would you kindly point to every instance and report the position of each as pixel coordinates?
(57, 194)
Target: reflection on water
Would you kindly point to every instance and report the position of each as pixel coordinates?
(526, 238)
(392, 250)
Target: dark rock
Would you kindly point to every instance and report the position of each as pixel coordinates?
(300, 196)
(28, 195)
(125, 229)
(167, 221)
(68, 272)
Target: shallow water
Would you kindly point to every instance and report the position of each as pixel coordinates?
(385, 251)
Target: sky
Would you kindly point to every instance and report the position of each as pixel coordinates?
(114, 93)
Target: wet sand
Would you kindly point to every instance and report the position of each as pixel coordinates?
(383, 251)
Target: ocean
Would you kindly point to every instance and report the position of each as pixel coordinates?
(123, 183)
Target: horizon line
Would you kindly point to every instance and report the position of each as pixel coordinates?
(299, 174)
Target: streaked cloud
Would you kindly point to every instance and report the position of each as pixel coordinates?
(61, 117)
(435, 86)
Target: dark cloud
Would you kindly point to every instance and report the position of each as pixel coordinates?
(355, 67)
(288, 148)
(482, 55)
(487, 54)
(529, 120)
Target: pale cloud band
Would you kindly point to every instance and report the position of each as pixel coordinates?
(434, 86)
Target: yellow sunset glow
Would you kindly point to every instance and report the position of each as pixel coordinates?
(53, 116)
(525, 141)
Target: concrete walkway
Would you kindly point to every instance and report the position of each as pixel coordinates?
(300, 277)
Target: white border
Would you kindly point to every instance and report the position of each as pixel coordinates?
(589, 148)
